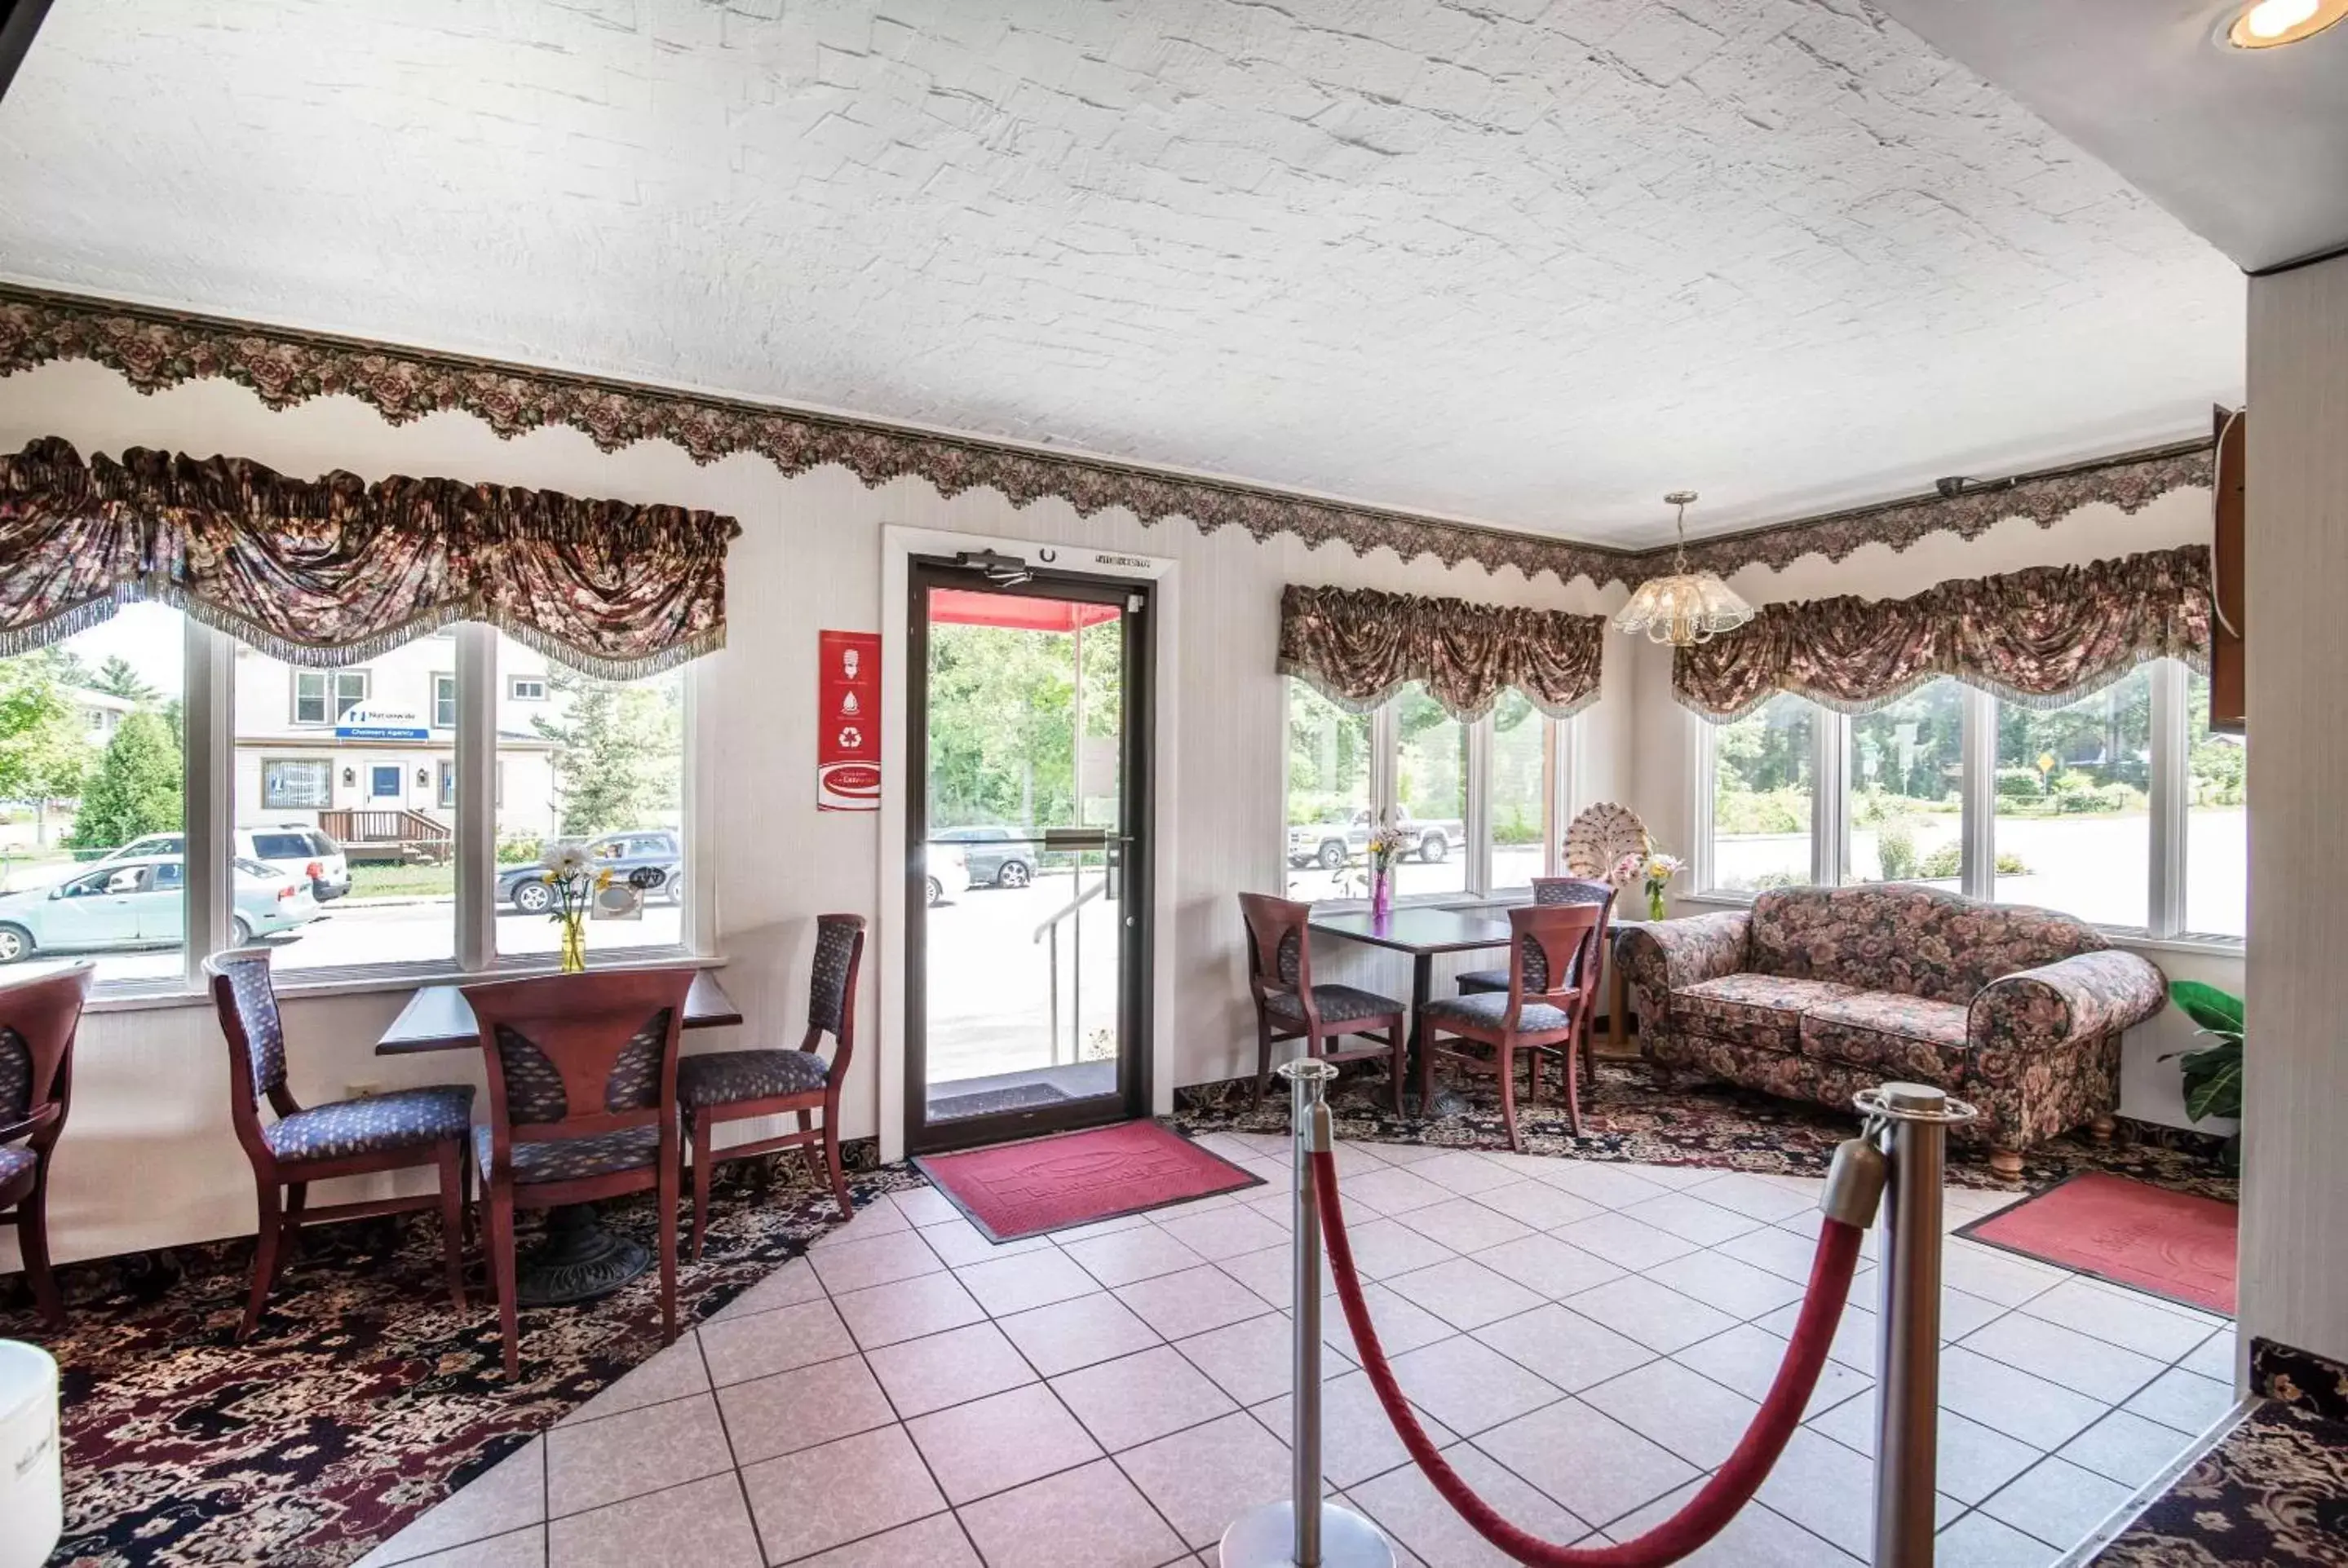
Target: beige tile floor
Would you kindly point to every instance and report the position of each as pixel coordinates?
(1586, 1339)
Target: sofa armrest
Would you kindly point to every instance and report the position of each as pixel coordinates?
(2080, 997)
(1660, 956)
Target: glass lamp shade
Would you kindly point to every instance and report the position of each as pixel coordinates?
(1683, 610)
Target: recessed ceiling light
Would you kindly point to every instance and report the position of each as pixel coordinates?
(2271, 23)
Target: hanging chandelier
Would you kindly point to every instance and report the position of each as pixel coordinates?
(1684, 608)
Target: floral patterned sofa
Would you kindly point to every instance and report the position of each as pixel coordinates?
(1817, 992)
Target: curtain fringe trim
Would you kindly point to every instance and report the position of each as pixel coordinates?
(163, 590)
(1362, 705)
(2046, 702)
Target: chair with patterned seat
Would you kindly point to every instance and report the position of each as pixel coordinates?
(393, 1131)
(1552, 950)
(38, 1021)
(582, 1106)
(735, 1085)
(1289, 1006)
(1551, 890)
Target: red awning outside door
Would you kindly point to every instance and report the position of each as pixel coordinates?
(1017, 612)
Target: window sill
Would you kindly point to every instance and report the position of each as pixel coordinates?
(2135, 939)
(364, 983)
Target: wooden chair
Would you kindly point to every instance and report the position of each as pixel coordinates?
(582, 1106)
(39, 1019)
(734, 1085)
(1542, 1011)
(392, 1131)
(1551, 890)
(1288, 1006)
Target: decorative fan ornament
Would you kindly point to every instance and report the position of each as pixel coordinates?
(1597, 840)
(1684, 608)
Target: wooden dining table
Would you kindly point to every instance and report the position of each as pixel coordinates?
(579, 1260)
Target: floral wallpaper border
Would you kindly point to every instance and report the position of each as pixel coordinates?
(154, 349)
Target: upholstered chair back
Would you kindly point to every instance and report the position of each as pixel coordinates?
(246, 1001)
(580, 1055)
(38, 1021)
(1911, 940)
(1280, 957)
(1553, 943)
(1557, 890)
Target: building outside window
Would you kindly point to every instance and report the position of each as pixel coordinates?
(526, 687)
(443, 702)
(296, 784)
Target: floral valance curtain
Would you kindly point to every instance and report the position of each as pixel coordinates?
(334, 570)
(2043, 637)
(1358, 647)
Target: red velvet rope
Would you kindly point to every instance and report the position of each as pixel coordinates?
(1709, 1510)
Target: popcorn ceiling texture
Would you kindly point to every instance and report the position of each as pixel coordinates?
(1528, 263)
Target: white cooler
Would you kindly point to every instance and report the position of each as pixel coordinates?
(32, 1467)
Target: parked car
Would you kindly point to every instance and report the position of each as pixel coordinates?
(945, 868)
(524, 886)
(1002, 856)
(1339, 837)
(292, 848)
(139, 902)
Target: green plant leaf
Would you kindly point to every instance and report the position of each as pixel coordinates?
(2217, 1094)
(2216, 1010)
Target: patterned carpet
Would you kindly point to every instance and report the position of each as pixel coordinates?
(363, 1400)
(2272, 1494)
(1625, 1117)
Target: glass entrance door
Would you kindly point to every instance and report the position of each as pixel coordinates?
(1028, 862)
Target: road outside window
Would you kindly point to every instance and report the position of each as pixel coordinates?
(1328, 797)
(92, 797)
(1431, 791)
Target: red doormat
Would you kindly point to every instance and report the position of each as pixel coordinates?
(1015, 1190)
(2172, 1244)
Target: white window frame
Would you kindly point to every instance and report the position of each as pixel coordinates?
(440, 676)
(514, 688)
(1561, 758)
(268, 761)
(330, 695)
(2171, 798)
(209, 708)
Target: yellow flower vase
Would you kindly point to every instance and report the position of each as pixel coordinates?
(575, 945)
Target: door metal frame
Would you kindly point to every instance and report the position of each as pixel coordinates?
(1147, 1067)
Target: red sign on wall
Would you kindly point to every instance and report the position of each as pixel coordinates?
(848, 721)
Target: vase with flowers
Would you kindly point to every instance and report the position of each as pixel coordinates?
(1651, 869)
(1385, 846)
(567, 869)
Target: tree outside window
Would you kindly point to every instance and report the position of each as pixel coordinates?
(1762, 767)
(1907, 788)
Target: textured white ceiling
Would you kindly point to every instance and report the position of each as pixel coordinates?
(1531, 261)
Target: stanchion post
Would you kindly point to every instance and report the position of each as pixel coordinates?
(1306, 1531)
(1908, 1393)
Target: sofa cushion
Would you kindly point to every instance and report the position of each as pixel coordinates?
(1916, 941)
(1760, 1010)
(1900, 1037)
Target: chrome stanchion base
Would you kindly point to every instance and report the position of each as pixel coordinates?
(1266, 1538)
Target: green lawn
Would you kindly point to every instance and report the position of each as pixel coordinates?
(380, 881)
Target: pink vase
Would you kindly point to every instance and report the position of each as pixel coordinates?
(1381, 896)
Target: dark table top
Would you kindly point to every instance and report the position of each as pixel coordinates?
(438, 1018)
(1419, 931)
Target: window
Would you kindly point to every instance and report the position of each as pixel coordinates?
(2216, 828)
(1520, 793)
(1328, 797)
(323, 696)
(1906, 769)
(296, 784)
(601, 763)
(1475, 803)
(2064, 805)
(443, 702)
(527, 688)
(1431, 794)
(1763, 770)
(93, 769)
(2073, 817)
